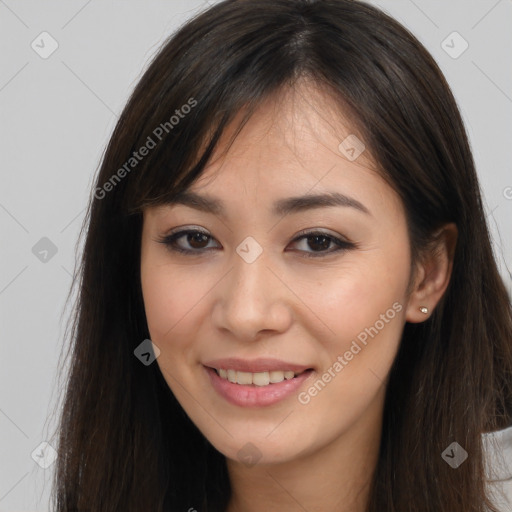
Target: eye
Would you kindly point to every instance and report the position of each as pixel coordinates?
(196, 242)
(320, 243)
(189, 241)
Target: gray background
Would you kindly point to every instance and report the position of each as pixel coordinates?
(56, 117)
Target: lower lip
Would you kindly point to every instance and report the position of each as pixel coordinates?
(256, 396)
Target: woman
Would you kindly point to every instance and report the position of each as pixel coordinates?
(288, 209)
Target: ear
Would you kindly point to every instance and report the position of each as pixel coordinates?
(432, 274)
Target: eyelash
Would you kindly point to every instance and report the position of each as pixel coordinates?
(342, 245)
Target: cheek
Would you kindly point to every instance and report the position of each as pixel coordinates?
(363, 304)
(171, 301)
(367, 322)
(170, 297)
(353, 296)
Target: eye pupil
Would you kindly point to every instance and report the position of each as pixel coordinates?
(197, 238)
(324, 244)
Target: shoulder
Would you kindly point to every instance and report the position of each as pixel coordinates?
(497, 448)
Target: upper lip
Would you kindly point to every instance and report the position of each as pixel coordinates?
(256, 365)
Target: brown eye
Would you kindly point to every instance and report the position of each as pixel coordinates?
(314, 244)
(190, 241)
(318, 244)
(197, 240)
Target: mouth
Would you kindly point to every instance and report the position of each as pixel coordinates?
(257, 379)
(257, 389)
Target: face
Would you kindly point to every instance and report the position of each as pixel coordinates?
(309, 293)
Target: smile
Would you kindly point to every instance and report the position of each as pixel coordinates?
(260, 388)
(256, 379)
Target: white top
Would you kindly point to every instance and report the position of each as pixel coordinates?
(498, 449)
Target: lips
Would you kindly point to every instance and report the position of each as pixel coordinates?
(256, 383)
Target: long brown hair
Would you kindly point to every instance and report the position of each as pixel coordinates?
(124, 442)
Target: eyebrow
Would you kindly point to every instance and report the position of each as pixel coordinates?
(281, 207)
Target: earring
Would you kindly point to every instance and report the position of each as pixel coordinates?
(424, 310)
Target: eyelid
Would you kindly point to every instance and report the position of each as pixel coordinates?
(308, 231)
(191, 227)
(319, 231)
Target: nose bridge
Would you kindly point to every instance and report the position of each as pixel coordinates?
(249, 281)
(251, 301)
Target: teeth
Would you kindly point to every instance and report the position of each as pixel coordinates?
(232, 376)
(244, 378)
(258, 379)
(261, 379)
(276, 377)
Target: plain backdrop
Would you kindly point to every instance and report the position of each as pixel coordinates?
(57, 112)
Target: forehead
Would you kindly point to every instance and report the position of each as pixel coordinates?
(297, 124)
(296, 142)
(294, 145)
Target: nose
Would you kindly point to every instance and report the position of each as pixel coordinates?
(251, 302)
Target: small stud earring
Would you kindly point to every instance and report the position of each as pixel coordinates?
(424, 310)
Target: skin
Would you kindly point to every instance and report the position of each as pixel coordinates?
(317, 456)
